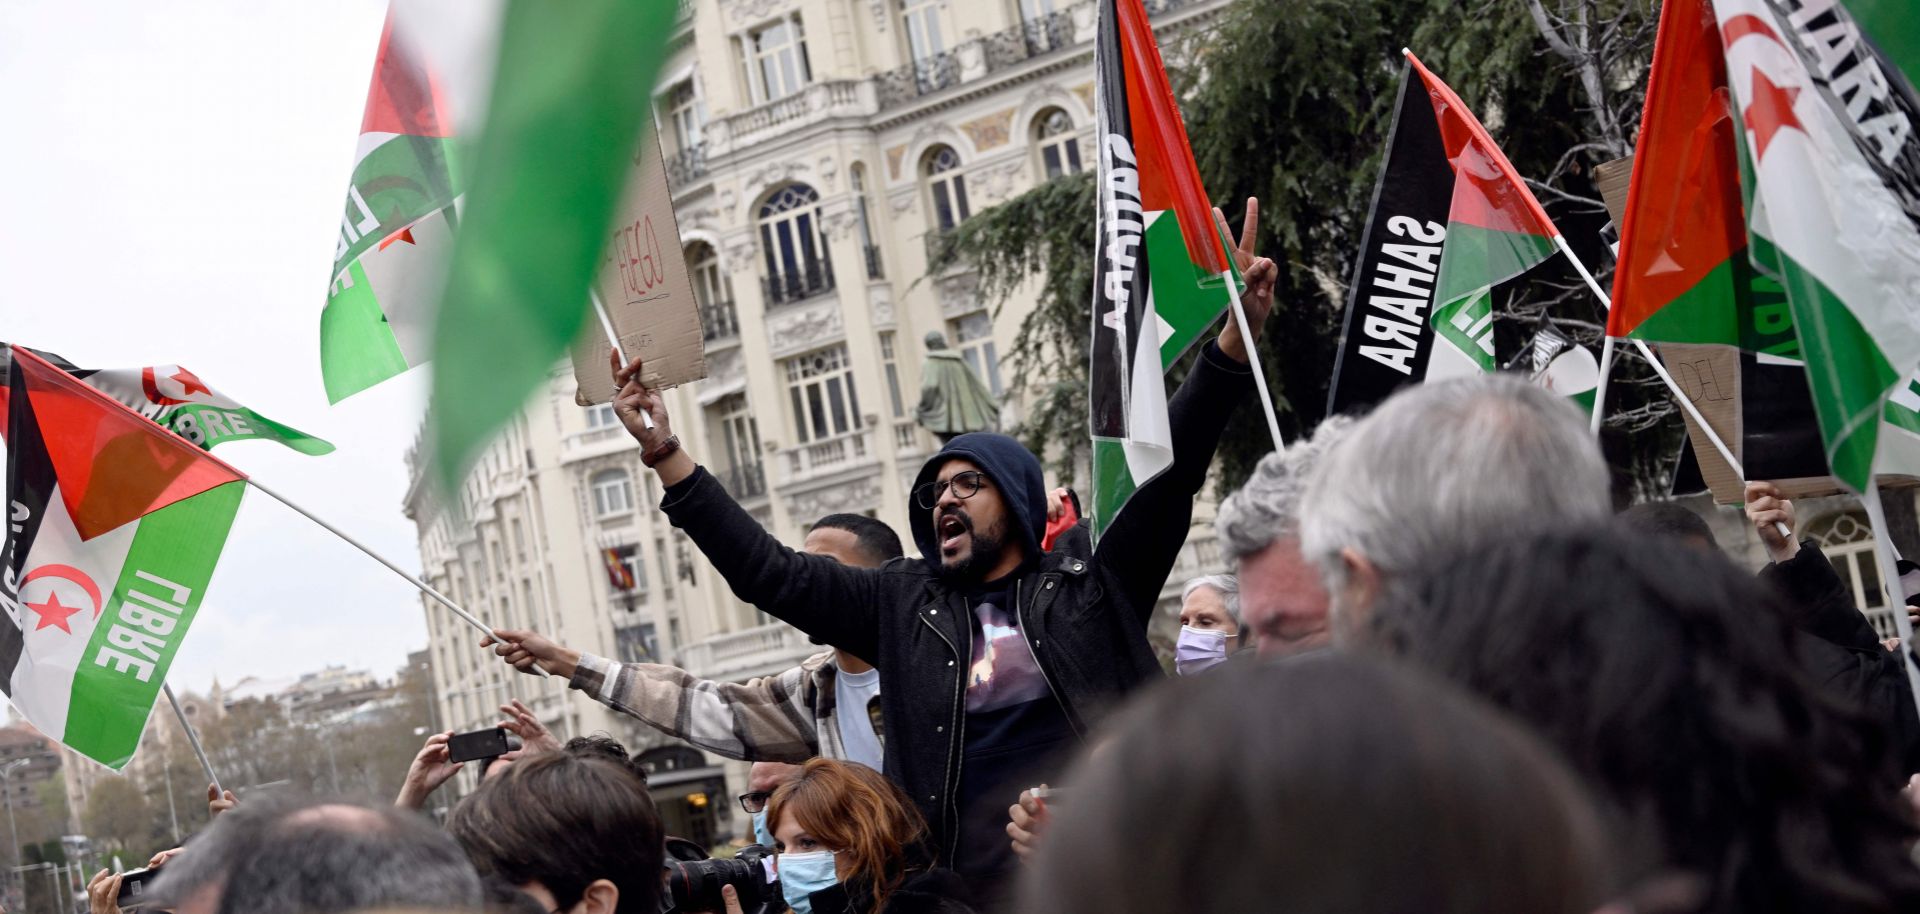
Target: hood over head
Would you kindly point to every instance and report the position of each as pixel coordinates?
(1008, 465)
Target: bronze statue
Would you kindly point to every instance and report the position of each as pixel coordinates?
(953, 399)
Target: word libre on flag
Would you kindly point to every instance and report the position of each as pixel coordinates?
(1825, 105)
(1496, 231)
(546, 178)
(1159, 261)
(1387, 338)
(114, 526)
(397, 230)
(180, 402)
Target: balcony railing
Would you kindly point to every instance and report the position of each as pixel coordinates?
(816, 279)
(739, 655)
(906, 438)
(875, 270)
(747, 480)
(808, 460)
(719, 321)
(687, 166)
(1059, 30)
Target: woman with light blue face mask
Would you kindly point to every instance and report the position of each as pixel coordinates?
(848, 841)
(1210, 628)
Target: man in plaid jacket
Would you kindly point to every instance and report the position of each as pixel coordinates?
(789, 717)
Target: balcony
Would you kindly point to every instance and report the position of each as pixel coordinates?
(594, 443)
(758, 651)
(806, 461)
(686, 167)
(747, 480)
(816, 279)
(719, 321)
(875, 270)
(907, 439)
(814, 103)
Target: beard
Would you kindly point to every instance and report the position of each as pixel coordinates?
(983, 552)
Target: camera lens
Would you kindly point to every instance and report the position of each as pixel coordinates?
(694, 885)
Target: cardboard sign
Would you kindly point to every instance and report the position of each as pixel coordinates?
(643, 282)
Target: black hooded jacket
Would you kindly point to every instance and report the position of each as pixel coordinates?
(1085, 619)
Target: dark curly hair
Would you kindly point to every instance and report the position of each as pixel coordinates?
(1668, 678)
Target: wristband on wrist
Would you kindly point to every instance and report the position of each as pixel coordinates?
(661, 452)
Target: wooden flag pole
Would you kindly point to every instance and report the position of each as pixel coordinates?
(193, 737)
(423, 587)
(1600, 393)
(613, 339)
(1890, 579)
(1253, 359)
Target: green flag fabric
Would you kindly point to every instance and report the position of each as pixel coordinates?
(571, 97)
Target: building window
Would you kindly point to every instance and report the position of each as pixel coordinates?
(739, 431)
(857, 180)
(1059, 149)
(626, 570)
(601, 416)
(519, 539)
(794, 246)
(712, 292)
(973, 336)
(1848, 543)
(776, 60)
(687, 115)
(947, 186)
(891, 364)
(612, 493)
(820, 385)
(923, 28)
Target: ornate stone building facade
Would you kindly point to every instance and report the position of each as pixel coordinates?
(814, 147)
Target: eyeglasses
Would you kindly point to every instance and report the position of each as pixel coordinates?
(754, 801)
(964, 486)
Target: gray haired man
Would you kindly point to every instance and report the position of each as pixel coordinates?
(1281, 599)
(1437, 472)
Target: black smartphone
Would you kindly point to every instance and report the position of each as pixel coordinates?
(479, 744)
(134, 886)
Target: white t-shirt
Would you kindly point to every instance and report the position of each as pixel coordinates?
(856, 696)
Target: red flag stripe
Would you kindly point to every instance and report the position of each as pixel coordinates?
(113, 464)
(1503, 202)
(1168, 177)
(404, 98)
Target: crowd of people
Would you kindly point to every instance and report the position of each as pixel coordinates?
(1445, 677)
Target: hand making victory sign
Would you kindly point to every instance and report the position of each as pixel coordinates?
(1260, 273)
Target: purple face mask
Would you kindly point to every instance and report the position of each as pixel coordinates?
(1198, 650)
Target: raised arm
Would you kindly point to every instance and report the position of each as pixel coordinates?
(832, 602)
(1144, 540)
(769, 719)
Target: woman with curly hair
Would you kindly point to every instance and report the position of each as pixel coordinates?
(848, 841)
(1667, 678)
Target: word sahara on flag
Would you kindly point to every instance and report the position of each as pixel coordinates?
(1157, 282)
(1826, 105)
(114, 526)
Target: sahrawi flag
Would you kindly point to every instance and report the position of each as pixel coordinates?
(397, 230)
(1496, 231)
(114, 528)
(1826, 129)
(178, 400)
(1158, 270)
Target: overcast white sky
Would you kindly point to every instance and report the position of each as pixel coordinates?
(171, 182)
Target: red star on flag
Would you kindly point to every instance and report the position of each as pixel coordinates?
(1770, 111)
(53, 613)
(189, 382)
(405, 234)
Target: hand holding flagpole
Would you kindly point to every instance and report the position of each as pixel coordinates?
(613, 339)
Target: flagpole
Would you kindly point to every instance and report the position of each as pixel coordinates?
(424, 588)
(193, 737)
(1253, 360)
(1600, 394)
(613, 339)
(1660, 369)
(1890, 579)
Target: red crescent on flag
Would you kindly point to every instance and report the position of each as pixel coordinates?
(153, 389)
(67, 573)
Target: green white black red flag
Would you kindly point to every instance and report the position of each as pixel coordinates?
(114, 528)
(1158, 261)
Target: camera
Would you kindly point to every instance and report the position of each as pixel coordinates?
(694, 885)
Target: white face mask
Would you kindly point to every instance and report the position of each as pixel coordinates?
(1198, 649)
(801, 875)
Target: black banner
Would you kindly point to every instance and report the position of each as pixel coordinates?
(1780, 435)
(1386, 337)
